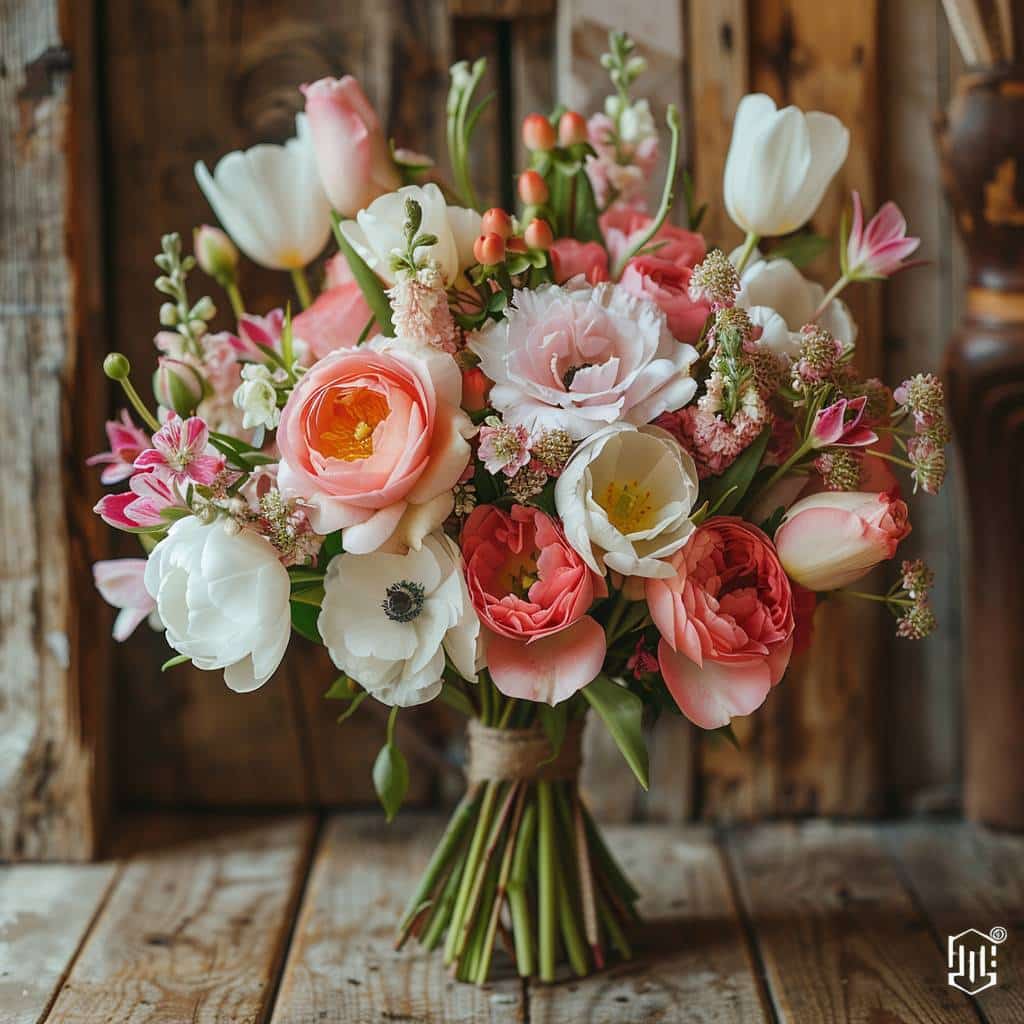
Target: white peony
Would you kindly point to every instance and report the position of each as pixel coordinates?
(625, 498)
(388, 620)
(379, 231)
(223, 598)
(256, 396)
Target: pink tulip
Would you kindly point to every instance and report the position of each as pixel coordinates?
(120, 582)
(831, 539)
(351, 151)
(570, 258)
(336, 320)
(839, 425)
(882, 248)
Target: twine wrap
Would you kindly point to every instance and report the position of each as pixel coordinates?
(514, 754)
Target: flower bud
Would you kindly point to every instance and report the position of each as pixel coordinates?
(204, 309)
(533, 189)
(538, 235)
(168, 315)
(538, 134)
(572, 128)
(215, 252)
(116, 366)
(516, 244)
(496, 220)
(178, 386)
(475, 389)
(489, 248)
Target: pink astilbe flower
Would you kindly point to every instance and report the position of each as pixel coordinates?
(179, 453)
(881, 248)
(503, 449)
(120, 582)
(140, 506)
(839, 425)
(127, 442)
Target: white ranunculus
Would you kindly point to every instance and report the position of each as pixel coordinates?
(781, 300)
(780, 162)
(223, 598)
(270, 201)
(378, 231)
(256, 396)
(388, 620)
(625, 498)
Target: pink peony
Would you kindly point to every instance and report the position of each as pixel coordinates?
(831, 539)
(374, 440)
(622, 226)
(351, 149)
(532, 592)
(336, 320)
(570, 258)
(120, 582)
(127, 442)
(579, 359)
(726, 622)
(667, 285)
(181, 453)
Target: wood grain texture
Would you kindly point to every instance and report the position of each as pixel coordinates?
(342, 967)
(839, 935)
(45, 912)
(53, 636)
(968, 877)
(692, 963)
(815, 748)
(195, 929)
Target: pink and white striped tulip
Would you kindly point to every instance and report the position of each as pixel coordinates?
(882, 247)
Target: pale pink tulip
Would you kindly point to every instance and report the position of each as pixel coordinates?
(120, 582)
(351, 150)
(881, 248)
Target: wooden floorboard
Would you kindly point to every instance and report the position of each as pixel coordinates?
(195, 927)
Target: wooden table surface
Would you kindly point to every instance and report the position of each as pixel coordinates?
(290, 919)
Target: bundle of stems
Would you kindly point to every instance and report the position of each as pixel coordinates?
(523, 861)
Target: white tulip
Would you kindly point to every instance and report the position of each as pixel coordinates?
(625, 498)
(378, 231)
(223, 598)
(270, 200)
(388, 620)
(780, 162)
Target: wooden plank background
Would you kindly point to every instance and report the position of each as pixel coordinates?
(139, 91)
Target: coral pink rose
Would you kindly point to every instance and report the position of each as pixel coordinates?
(351, 151)
(570, 258)
(831, 539)
(621, 226)
(726, 621)
(373, 439)
(336, 320)
(667, 285)
(532, 592)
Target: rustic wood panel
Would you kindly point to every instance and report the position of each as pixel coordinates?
(342, 966)
(814, 748)
(692, 964)
(195, 929)
(967, 877)
(839, 935)
(45, 912)
(53, 646)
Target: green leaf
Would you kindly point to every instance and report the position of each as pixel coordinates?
(726, 733)
(331, 546)
(455, 698)
(308, 594)
(369, 283)
(800, 249)
(353, 707)
(341, 689)
(517, 264)
(621, 711)
(587, 227)
(300, 574)
(304, 618)
(553, 720)
(232, 442)
(774, 521)
(725, 492)
(390, 779)
(178, 659)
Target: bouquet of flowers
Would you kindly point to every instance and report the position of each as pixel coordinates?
(572, 458)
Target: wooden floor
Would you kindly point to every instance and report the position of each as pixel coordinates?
(290, 919)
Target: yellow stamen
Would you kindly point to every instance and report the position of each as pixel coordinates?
(347, 424)
(628, 508)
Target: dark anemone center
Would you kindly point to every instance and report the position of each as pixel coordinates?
(570, 375)
(403, 601)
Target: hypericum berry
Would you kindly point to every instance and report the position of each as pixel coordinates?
(572, 128)
(489, 248)
(538, 235)
(516, 244)
(538, 134)
(496, 221)
(533, 189)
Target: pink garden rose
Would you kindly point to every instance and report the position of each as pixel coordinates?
(667, 285)
(336, 320)
(578, 359)
(532, 592)
(831, 539)
(373, 439)
(351, 150)
(570, 258)
(726, 622)
(621, 227)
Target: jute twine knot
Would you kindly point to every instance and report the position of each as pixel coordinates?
(510, 754)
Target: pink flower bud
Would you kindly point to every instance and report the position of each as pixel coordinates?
(538, 134)
(533, 189)
(489, 248)
(496, 220)
(839, 425)
(178, 386)
(215, 252)
(538, 234)
(572, 128)
(475, 388)
(351, 150)
(881, 248)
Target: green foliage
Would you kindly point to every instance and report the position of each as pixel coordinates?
(724, 493)
(390, 778)
(621, 710)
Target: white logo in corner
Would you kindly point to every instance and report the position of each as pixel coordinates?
(972, 959)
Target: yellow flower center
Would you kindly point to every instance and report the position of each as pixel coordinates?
(347, 425)
(628, 508)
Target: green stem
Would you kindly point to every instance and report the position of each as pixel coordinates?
(301, 286)
(546, 858)
(476, 847)
(519, 904)
(880, 598)
(889, 458)
(506, 714)
(138, 405)
(235, 298)
(615, 615)
(782, 470)
(830, 295)
(748, 247)
(441, 914)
